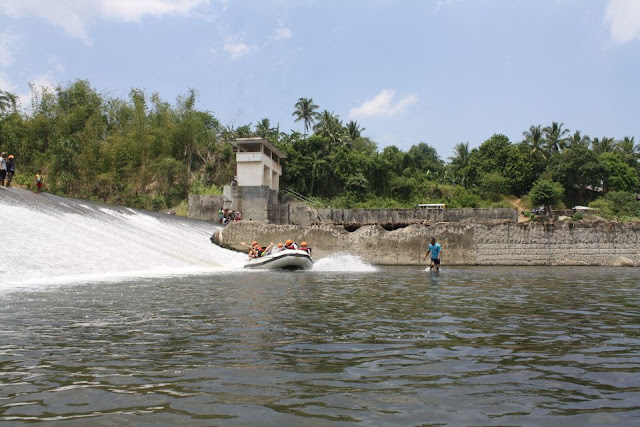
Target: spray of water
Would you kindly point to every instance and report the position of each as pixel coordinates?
(49, 239)
(343, 262)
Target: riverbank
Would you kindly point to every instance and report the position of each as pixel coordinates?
(472, 242)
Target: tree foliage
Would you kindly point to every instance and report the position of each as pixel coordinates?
(143, 151)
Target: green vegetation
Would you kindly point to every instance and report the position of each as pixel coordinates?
(546, 193)
(140, 152)
(145, 152)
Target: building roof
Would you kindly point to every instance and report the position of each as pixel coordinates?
(270, 146)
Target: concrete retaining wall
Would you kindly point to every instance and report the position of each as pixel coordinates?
(204, 207)
(264, 205)
(464, 243)
(306, 216)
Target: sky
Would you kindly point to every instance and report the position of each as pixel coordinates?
(435, 71)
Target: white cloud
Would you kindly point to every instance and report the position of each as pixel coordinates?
(7, 47)
(623, 17)
(236, 47)
(282, 33)
(76, 16)
(442, 3)
(56, 64)
(381, 105)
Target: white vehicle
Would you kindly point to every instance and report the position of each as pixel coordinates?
(288, 259)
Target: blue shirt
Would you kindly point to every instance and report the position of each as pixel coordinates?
(435, 250)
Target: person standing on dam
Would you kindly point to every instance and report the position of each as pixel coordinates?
(434, 249)
(3, 168)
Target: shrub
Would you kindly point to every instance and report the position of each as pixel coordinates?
(577, 216)
(617, 204)
(493, 186)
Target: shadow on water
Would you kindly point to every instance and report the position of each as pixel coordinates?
(399, 345)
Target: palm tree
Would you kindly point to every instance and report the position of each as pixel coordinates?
(628, 146)
(604, 145)
(306, 111)
(554, 135)
(354, 131)
(534, 139)
(263, 128)
(578, 140)
(329, 126)
(460, 160)
(7, 101)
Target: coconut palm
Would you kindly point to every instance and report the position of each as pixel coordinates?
(577, 139)
(628, 146)
(604, 145)
(329, 126)
(460, 160)
(354, 131)
(554, 136)
(534, 139)
(306, 111)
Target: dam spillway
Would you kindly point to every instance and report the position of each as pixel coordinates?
(50, 239)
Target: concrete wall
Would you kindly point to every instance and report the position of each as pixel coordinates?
(306, 216)
(250, 172)
(260, 203)
(204, 207)
(486, 242)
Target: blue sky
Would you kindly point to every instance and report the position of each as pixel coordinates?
(439, 71)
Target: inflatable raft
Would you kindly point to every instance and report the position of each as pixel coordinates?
(288, 259)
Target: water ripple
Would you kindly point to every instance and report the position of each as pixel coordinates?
(397, 346)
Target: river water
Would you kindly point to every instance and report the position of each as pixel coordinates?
(114, 316)
(394, 346)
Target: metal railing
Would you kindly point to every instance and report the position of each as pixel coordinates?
(310, 203)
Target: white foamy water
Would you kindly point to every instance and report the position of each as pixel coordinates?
(343, 262)
(49, 239)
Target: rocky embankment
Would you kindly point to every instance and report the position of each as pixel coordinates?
(471, 242)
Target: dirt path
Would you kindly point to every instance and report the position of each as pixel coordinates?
(517, 203)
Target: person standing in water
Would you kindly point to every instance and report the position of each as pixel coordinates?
(434, 249)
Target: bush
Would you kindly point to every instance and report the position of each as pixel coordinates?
(201, 189)
(577, 216)
(158, 202)
(617, 205)
(493, 186)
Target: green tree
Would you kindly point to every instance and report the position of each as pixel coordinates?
(7, 102)
(535, 141)
(354, 131)
(555, 137)
(576, 169)
(493, 186)
(306, 111)
(329, 126)
(546, 193)
(459, 162)
(577, 139)
(617, 174)
(604, 145)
